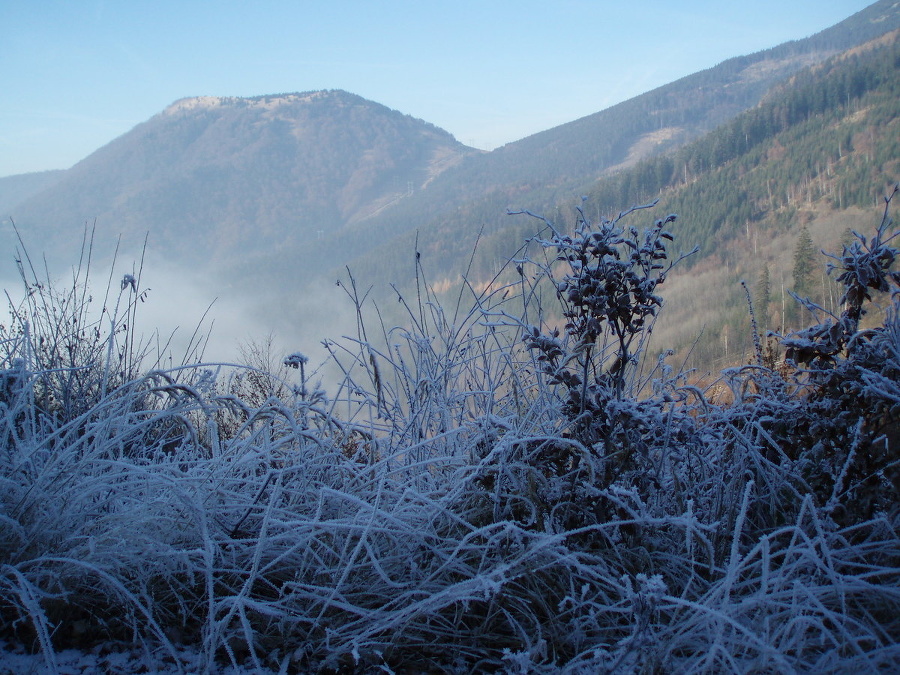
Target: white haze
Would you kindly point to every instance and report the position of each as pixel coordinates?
(180, 306)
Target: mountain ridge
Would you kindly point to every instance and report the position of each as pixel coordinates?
(557, 163)
(233, 174)
(818, 151)
(223, 184)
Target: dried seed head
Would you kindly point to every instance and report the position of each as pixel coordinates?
(296, 360)
(129, 280)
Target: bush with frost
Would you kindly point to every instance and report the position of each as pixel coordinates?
(489, 490)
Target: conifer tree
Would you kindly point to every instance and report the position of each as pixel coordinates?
(804, 263)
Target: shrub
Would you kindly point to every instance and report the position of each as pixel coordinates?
(478, 494)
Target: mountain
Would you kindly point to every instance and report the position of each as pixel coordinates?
(216, 179)
(227, 183)
(817, 154)
(814, 159)
(283, 191)
(539, 172)
(16, 189)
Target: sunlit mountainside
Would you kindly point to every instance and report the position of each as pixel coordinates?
(552, 167)
(818, 151)
(817, 154)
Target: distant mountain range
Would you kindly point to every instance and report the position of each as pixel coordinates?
(277, 191)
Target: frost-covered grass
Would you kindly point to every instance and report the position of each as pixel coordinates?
(482, 492)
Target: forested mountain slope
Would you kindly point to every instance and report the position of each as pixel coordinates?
(814, 160)
(554, 166)
(818, 152)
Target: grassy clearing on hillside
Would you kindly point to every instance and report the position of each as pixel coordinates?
(482, 493)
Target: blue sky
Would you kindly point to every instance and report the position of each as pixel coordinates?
(77, 74)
